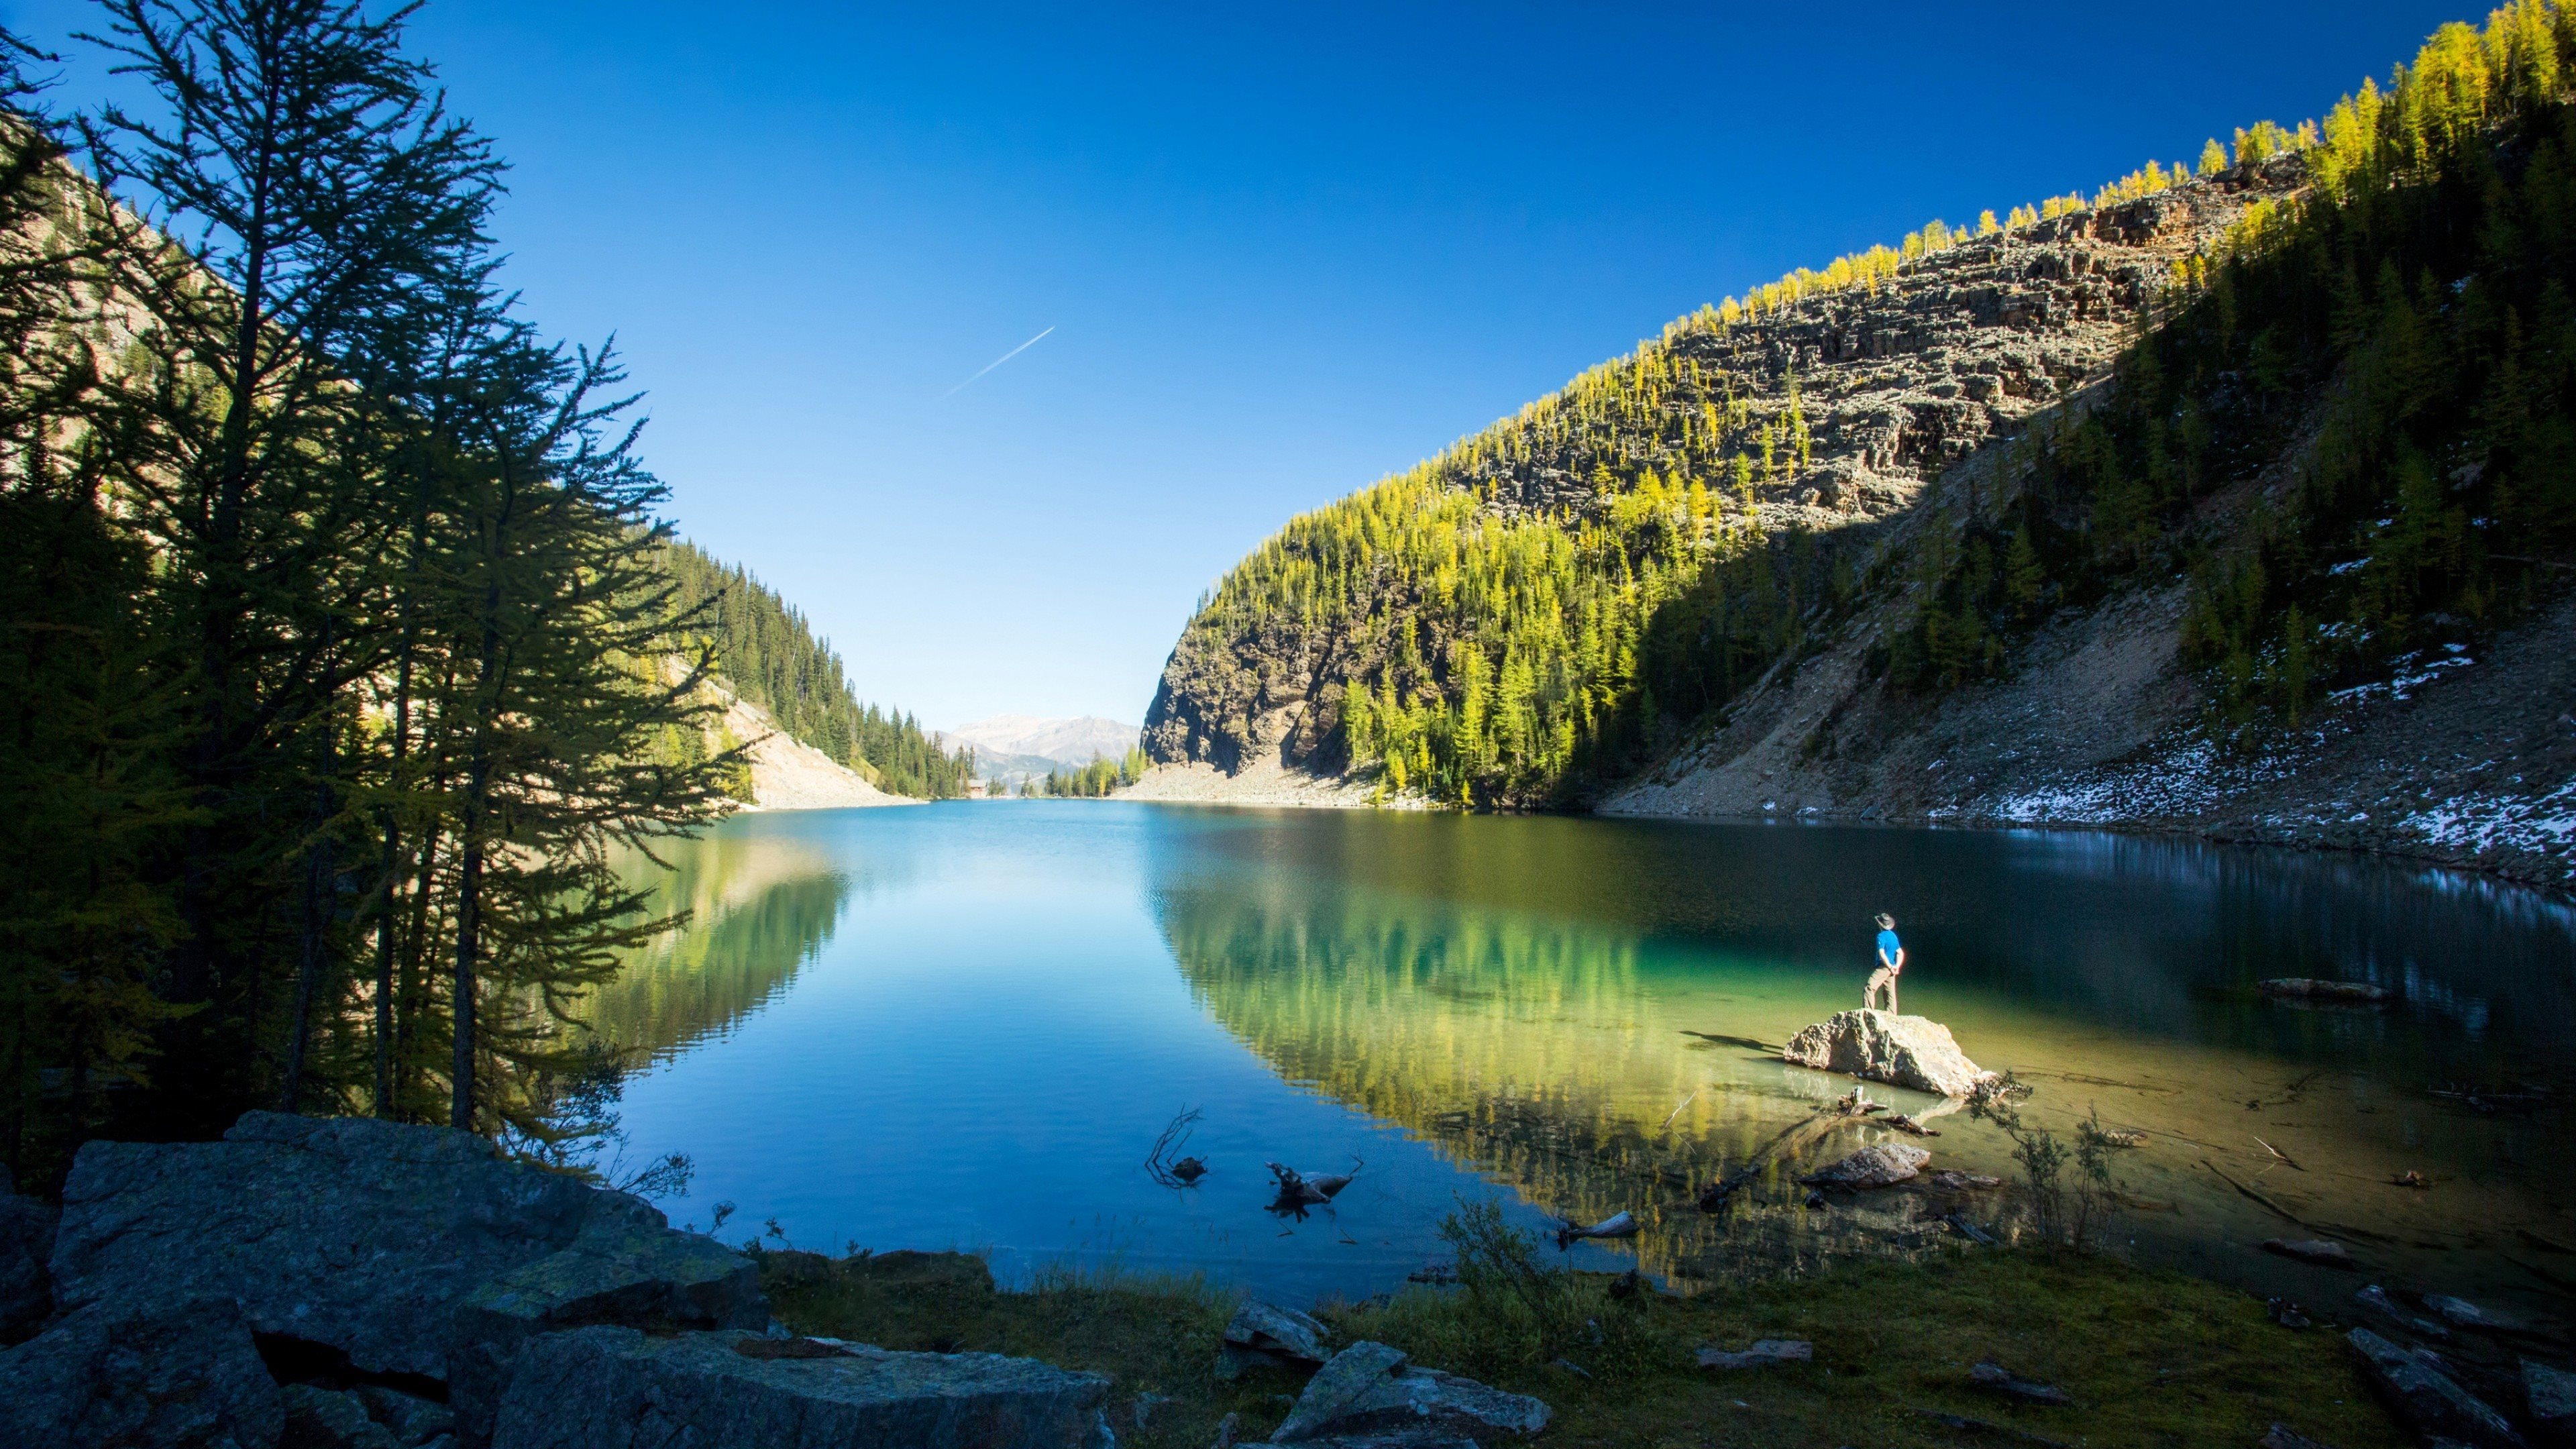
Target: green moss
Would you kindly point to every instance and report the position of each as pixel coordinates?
(2151, 1358)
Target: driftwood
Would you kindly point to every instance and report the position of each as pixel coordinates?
(1299, 1189)
(1162, 1165)
(1617, 1225)
(1791, 1140)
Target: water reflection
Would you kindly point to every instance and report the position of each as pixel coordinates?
(1571, 1008)
(759, 907)
(965, 1025)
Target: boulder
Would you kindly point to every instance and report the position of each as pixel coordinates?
(1267, 1335)
(1370, 1391)
(1906, 1051)
(615, 1388)
(367, 1236)
(1884, 1165)
(183, 1372)
(625, 1267)
(26, 1290)
(318, 1418)
(2427, 1399)
(1765, 1353)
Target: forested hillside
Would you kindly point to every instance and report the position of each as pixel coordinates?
(2341, 443)
(762, 647)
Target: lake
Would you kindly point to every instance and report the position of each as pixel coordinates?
(964, 1025)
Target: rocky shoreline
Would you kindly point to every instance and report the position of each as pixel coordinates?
(346, 1283)
(359, 1284)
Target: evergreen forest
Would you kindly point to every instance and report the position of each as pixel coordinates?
(348, 660)
(1488, 649)
(762, 648)
(1094, 781)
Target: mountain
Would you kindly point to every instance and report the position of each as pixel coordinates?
(2194, 503)
(1021, 741)
(771, 664)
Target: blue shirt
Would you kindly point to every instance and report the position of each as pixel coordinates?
(1888, 946)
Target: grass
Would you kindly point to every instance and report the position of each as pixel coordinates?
(2151, 1358)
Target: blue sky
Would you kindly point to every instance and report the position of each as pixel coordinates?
(1285, 250)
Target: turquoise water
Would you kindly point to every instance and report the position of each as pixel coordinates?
(964, 1025)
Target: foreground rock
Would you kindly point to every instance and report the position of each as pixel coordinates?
(615, 1388)
(181, 1373)
(26, 1241)
(1884, 1165)
(1265, 1335)
(2428, 1399)
(331, 1419)
(369, 1238)
(1905, 1051)
(1369, 1391)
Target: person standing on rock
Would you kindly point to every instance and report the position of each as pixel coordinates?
(1891, 964)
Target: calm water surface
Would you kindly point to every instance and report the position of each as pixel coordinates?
(963, 1025)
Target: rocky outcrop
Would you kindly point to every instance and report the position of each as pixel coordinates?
(615, 1388)
(178, 1372)
(416, 1290)
(1883, 1165)
(367, 1237)
(1885, 388)
(1904, 1051)
(1371, 1391)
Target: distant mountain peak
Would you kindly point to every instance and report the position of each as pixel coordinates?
(1067, 741)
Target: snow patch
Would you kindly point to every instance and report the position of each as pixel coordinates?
(2483, 821)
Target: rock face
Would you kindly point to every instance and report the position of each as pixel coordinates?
(615, 1388)
(181, 1372)
(26, 1241)
(1370, 1391)
(1884, 1165)
(367, 1237)
(1906, 1051)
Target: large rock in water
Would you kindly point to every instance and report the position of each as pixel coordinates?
(1883, 1165)
(1905, 1051)
(182, 1374)
(368, 1237)
(614, 1388)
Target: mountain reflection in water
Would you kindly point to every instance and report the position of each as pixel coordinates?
(1569, 1010)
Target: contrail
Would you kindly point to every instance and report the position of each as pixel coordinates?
(996, 362)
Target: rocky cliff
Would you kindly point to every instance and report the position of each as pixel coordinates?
(1829, 411)
(2233, 503)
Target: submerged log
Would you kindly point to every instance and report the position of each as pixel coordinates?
(2312, 988)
